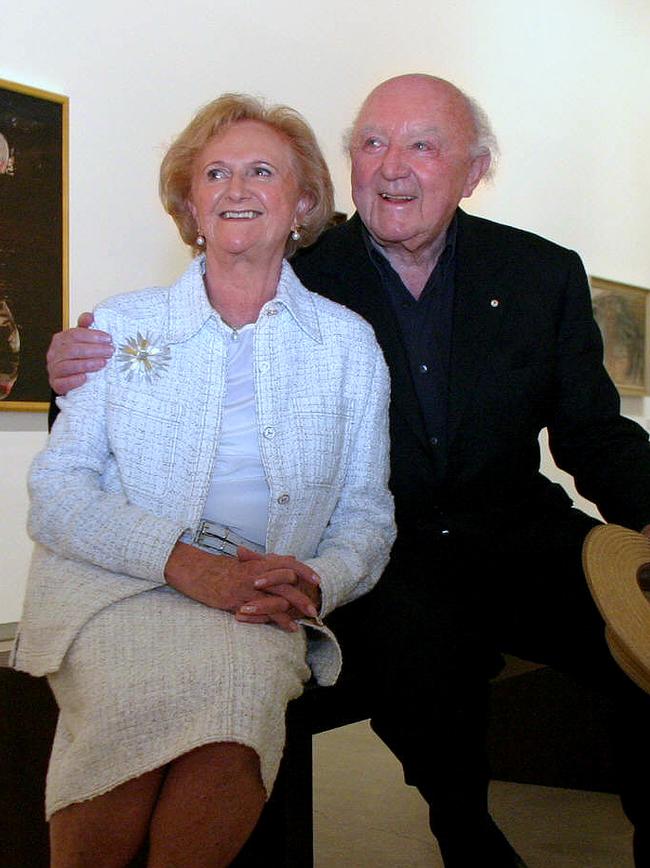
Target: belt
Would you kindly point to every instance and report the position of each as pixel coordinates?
(219, 539)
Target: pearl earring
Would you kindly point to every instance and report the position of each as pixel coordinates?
(295, 234)
(200, 240)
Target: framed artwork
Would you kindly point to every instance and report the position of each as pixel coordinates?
(621, 311)
(33, 239)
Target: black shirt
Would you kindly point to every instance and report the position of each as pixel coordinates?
(425, 326)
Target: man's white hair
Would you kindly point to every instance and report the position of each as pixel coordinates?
(486, 140)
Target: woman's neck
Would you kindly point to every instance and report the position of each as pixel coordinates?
(238, 288)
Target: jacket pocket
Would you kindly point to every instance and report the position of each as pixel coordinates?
(323, 434)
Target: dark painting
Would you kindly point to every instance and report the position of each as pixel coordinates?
(33, 239)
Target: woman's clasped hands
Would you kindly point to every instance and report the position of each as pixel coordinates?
(257, 588)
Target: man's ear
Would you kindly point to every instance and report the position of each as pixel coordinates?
(477, 170)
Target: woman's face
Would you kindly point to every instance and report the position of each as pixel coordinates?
(244, 194)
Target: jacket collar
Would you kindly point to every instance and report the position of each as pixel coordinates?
(300, 303)
(189, 308)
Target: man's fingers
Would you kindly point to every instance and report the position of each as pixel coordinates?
(85, 320)
(64, 376)
(74, 353)
(62, 385)
(85, 351)
(77, 335)
(83, 342)
(77, 366)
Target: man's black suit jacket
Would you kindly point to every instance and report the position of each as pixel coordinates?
(526, 354)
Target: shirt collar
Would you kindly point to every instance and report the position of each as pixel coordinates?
(382, 263)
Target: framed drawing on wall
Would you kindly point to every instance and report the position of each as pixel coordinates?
(33, 239)
(621, 311)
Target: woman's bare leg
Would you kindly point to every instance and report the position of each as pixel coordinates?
(107, 831)
(209, 804)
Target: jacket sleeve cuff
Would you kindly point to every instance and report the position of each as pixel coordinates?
(149, 546)
(333, 574)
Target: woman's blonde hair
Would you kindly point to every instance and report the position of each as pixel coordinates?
(312, 174)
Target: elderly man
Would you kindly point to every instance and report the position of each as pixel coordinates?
(490, 338)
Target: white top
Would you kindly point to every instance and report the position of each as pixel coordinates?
(238, 496)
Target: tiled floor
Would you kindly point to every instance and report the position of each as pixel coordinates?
(367, 818)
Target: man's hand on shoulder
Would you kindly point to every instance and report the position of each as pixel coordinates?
(75, 352)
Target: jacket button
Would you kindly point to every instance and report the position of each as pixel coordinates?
(269, 432)
(284, 498)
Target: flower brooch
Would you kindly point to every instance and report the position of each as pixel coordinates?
(142, 357)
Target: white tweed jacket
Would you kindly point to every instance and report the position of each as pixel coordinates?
(127, 467)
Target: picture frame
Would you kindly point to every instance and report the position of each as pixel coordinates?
(33, 239)
(621, 312)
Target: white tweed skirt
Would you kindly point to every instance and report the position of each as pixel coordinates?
(153, 676)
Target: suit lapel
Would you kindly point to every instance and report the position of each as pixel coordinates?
(480, 303)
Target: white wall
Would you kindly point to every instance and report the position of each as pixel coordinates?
(566, 83)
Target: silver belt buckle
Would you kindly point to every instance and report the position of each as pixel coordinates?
(214, 542)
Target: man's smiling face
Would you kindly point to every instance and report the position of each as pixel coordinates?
(412, 160)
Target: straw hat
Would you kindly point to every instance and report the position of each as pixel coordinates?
(616, 562)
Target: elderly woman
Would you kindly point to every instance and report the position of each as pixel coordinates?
(202, 501)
